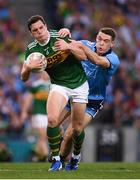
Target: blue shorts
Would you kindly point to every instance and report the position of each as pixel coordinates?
(93, 107)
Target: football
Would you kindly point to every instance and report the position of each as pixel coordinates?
(37, 56)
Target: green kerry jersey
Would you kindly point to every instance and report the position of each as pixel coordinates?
(62, 66)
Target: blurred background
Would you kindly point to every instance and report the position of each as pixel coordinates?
(115, 132)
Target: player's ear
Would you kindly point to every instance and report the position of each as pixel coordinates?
(112, 44)
(30, 33)
(97, 38)
(46, 26)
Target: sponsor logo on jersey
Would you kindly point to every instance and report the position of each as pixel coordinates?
(57, 58)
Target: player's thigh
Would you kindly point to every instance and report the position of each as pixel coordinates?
(78, 102)
(80, 94)
(87, 119)
(64, 116)
(91, 111)
(55, 103)
(78, 113)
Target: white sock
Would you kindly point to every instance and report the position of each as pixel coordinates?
(57, 158)
(76, 156)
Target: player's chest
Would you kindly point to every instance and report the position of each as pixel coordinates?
(53, 57)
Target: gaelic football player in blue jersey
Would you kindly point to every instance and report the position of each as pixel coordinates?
(100, 65)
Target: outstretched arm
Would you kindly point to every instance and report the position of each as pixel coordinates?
(73, 47)
(95, 58)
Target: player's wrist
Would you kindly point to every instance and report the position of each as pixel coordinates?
(27, 67)
(68, 32)
(69, 47)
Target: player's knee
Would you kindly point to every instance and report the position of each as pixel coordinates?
(77, 130)
(43, 138)
(52, 121)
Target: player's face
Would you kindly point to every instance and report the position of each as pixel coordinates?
(103, 43)
(39, 31)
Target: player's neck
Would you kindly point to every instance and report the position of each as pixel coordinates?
(45, 42)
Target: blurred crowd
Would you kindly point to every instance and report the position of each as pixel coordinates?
(11, 54)
(11, 87)
(83, 18)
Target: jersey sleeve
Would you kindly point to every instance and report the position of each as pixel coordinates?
(66, 38)
(89, 44)
(114, 61)
(27, 52)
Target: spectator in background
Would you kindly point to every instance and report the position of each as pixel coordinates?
(5, 154)
(12, 88)
(34, 109)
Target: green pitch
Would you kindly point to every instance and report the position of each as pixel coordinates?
(85, 171)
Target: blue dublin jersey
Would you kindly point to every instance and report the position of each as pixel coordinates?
(99, 77)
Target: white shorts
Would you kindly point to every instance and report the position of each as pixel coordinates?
(39, 121)
(79, 94)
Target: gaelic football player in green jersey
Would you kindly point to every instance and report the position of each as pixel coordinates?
(68, 80)
(34, 101)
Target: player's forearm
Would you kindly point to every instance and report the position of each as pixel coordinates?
(95, 58)
(72, 47)
(25, 72)
(78, 52)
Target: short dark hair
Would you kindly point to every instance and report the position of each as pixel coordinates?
(109, 31)
(34, 19)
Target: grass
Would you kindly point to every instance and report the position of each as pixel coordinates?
(85, 171)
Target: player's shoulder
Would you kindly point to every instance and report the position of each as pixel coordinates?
(114, 54)
(53, 33)
(32, 44)
(113, 57)
(88, 43)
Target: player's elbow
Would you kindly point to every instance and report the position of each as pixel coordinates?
(82, 57)
(102, 62)
(23, 78)
(105, 64)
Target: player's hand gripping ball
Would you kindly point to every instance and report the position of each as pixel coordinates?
(37, 56)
